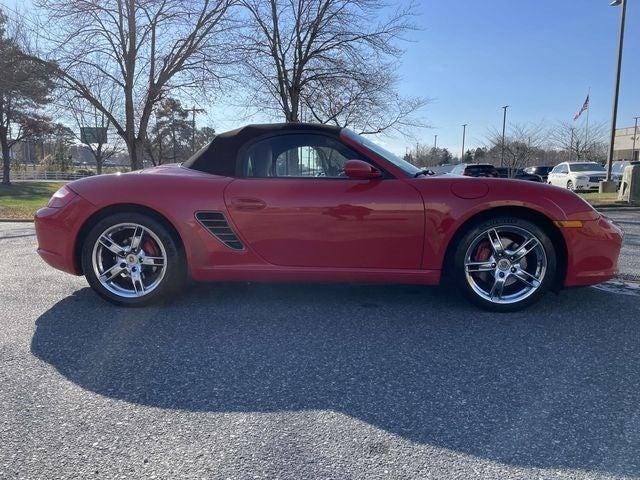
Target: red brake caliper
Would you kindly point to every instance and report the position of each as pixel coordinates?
(150, 248)
(483, 252)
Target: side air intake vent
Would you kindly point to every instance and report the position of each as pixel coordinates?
(217, 224)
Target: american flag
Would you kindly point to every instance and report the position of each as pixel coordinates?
(585, 105)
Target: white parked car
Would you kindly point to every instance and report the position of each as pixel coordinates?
(578, 176)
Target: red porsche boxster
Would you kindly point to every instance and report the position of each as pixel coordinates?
(302, 202)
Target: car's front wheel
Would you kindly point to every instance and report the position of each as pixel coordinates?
(133, 259)
(570, 186)
(505, 263)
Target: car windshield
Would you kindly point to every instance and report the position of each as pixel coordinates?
(586, 167)
(384, 153)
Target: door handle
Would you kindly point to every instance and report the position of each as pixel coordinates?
(248, 203)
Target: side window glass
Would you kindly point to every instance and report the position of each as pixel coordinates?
(297, 155)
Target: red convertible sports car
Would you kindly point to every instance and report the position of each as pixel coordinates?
(301, 202)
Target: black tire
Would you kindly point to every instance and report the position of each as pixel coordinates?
(458, 273)
(570, 186)
(175, 274)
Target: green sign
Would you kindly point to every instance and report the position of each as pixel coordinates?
(93, 135)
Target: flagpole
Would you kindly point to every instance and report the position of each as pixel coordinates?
(586, 135)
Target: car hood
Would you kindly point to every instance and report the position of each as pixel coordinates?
(590, 173)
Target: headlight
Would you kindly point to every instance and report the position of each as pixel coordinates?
(581, 177)
(61, 198)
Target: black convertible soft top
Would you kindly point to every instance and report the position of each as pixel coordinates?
(220, 156)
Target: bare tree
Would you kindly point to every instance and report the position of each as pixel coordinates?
(139, 50)
(581, 145)
(99, 146)
(426, 156)
(523, 145)
(332, 61)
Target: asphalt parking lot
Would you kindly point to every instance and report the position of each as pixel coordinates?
(314, 381)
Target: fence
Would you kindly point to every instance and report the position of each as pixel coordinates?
(44, 175)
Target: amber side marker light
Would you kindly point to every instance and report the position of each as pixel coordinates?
(569, 223)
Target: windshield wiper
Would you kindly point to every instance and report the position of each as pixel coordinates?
(424, 171)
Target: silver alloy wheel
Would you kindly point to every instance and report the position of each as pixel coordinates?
(129, 260)
(505, 264)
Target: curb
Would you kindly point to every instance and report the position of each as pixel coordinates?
(620, 286)
(615, 206)
(16, 220)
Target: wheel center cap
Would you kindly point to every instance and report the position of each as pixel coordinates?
(132, 259)
(504, 264)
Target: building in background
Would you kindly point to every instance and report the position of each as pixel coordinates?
(623, 145)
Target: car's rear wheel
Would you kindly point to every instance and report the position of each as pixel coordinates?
(505, 263)
(132, 259)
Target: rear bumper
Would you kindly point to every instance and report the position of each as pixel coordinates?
(593, 252)
(57, 230)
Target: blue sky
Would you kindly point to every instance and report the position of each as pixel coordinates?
(539, 56)
(473, 56)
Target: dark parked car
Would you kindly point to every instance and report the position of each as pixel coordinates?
(475, 170)
(518, 174)
(541, 170)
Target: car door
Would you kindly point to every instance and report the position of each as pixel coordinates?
(294, 207)
(564, 175)
(558, 174)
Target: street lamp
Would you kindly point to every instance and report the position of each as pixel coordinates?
(193, 111)
(464, 132)
(608, 185)
(504, 124)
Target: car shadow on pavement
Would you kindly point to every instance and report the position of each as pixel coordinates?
(557, 386)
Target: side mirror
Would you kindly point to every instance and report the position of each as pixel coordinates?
(359, 170)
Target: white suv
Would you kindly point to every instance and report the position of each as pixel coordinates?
(577, 176)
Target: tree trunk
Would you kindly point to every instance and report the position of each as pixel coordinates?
(6, 162)
(97, 155)
(136, 153)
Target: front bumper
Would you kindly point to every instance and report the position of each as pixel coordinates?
(57, 230)
(593, 252)
(586, 185)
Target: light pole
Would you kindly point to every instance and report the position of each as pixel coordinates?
(608, 185)
(504, 124)
(635, 135)
(464, 132)
(173, 135)
(194, 110)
